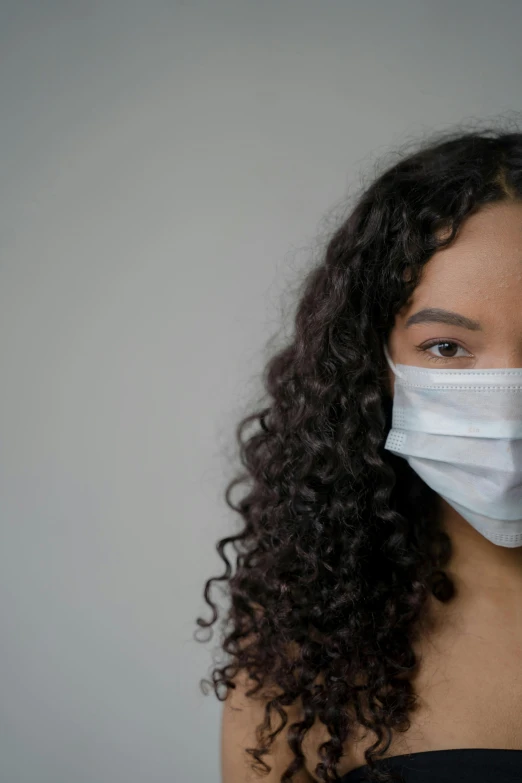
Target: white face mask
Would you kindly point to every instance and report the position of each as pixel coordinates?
(461, 431)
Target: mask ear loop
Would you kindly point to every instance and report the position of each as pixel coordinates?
(392, 366)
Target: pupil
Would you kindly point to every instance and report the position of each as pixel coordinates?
(451, 351)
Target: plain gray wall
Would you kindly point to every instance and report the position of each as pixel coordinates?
(164, 169)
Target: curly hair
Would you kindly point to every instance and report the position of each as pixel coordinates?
(340, 546)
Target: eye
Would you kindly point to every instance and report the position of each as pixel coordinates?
(447, 350)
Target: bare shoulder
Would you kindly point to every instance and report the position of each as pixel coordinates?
(241, 716)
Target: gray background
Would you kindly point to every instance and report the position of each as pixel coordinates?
(165, 171)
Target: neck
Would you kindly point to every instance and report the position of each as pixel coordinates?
(481, 570)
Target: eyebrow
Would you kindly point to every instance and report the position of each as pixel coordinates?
(438, 315)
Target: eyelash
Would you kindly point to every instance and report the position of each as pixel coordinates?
(424, 348)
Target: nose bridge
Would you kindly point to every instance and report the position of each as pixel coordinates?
(503, 346)
(509, 359)
(516, 363)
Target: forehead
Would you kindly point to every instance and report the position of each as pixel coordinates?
(480, 274)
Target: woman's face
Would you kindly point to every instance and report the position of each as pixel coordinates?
(466, 313)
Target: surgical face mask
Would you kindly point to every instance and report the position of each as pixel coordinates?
(461, 432)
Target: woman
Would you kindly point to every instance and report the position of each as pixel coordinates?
(375, 625)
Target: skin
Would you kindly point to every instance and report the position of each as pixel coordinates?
(470, 679)
(479, 277)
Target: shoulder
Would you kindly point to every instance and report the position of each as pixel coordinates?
(243, 714)
(241, 717)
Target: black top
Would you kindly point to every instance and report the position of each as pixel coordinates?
(458, 765)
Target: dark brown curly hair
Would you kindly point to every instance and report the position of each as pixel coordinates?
(340, 546)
